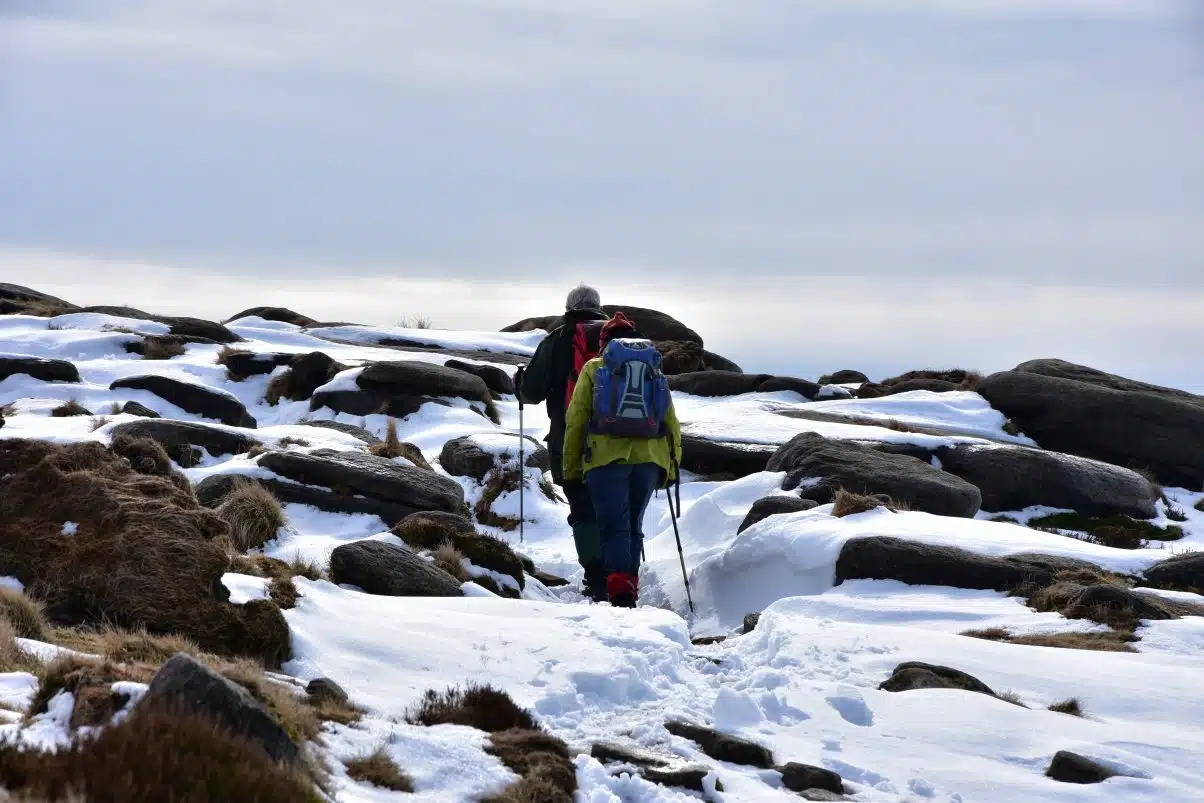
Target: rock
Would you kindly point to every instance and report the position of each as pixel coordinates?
(186, 327)
(1116, 598)
(750, 622)
(686, 776)
(820, 795)
(915, 563)
(183, 683)
(348, 429)
(464, 457)
(144, 553)
(662, 771)
(430, 530)
(141, 410)
(213, 490)
(242, 364)
(1060, 369)
(918, 675)
(308, 372)
(721, 746)
(1114, 419)
(280, 314)
(368, 475)
(860, 469)
(844, 377)
(774, 505)
(713, 384)
(651, 324)
(681, 357)
(38, 368)
(548, 579)
(875, 391)
(193, 398)
(497, 380)
(803, 387)
(326, 690)
(1013, 478)
(422, 379)
(715, 362)
(16, 292)
(1070, 767)
(351, 402)
(801, 777)
(709, 458)
(392, 571)
(179, 438)
(1184, 572)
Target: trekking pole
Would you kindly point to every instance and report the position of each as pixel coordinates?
(677, 535)
(522, 463)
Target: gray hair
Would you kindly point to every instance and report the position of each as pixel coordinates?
(583, 297)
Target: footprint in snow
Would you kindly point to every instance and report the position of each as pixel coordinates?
(852, 708)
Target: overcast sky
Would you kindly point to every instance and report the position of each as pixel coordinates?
(881, 185)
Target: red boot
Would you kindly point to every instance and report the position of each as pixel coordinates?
(622, 589)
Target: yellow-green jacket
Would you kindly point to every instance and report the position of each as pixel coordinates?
(584, 450)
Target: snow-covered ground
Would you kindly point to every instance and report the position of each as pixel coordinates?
(803, 683)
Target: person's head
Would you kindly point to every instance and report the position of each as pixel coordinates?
(619, 326)
(582, 297)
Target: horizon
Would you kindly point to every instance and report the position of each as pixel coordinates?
(814, 187)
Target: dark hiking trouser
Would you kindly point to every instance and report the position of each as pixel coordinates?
(620, 493)
(585, 526)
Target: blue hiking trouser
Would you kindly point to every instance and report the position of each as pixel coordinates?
(620, 492)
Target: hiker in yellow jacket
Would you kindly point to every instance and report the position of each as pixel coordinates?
(624, 440)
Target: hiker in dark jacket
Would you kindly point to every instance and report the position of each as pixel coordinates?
(547, 378)
(624, 440)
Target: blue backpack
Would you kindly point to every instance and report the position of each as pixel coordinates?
(631, 395)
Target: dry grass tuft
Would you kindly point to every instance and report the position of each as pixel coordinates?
(416, 322)
(25, 615)
(379, 769)
(223, 356)
(153, 756)
(12, 657)
(392, 446)
(253, 514)
(546, 772)
(70, 408)
(162, 348)
(1110, 641)
(145, 455)
(291, 441)
(1011, 697)
(451, 560)
(850, 504)
(497, 482)
(478, 706)
(281, 589)
(1071, 707)
(278, 388)
(971, 381)
(1175, 513)
(1200, 506)
(90, 681)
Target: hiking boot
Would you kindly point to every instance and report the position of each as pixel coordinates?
(594, 584)
(622, 589)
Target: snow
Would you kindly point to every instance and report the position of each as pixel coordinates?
(70, 528)
(244, 587)
(101, 322)
(13, 584)
(804, 682)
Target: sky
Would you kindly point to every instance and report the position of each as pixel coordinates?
(810, 185)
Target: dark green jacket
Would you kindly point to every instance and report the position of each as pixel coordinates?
(546, 379)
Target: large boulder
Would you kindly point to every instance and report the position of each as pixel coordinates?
(180, 438)
(197, 328)
(1068, 767)
(722, 746)
(213, 490)
(717, 458)
(143, 552)
(652, 324)
(391, 571)
(411, 384)
(184, 684)
(280, 314)
(308, 372)
(474, 456)
(1112, 419)
(844, 377)
(497, 380)
(1061, 369)
(1183, 572)
(834, 464)
(38, 368)
(920, 564)
(16, 292)
(778, 504)
(717, 383)
(1013, 478)
(716, 362)
(369, 476)
(242, 364)
(17, 299)
(875, 391)
(913, 675)
(192, 398)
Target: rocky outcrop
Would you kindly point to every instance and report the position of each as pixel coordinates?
(18, 300)
(465, 457)
(497, 380)
(399, 389)
(38, 368)
(1183, 572)
(802, 777)
(192, 398)
(723, 746)
(243, 364)
(844, 377)
(280, 314)
(212, 490)
(673, 773)
(719, 459)
(652, 324)
(1013, 478)
(140, 410)
(391, 571)
(180, 438)
(827, 465)
(773, 506)
(431, 530)
(363, 474)
(1105, 417)
(184, 684)
(198, 329)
